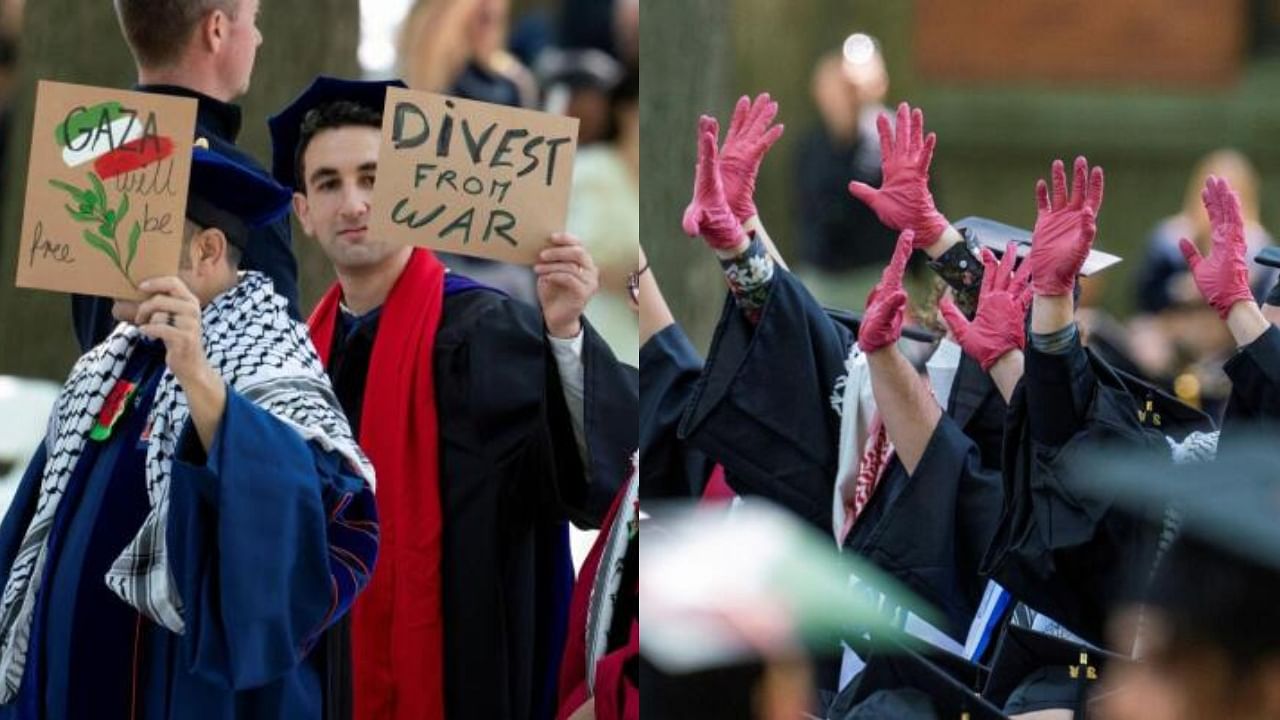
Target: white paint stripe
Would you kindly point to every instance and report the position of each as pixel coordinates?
(102, 142)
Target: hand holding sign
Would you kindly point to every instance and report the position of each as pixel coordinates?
(106, 189)
(567, 278)
(472, 178)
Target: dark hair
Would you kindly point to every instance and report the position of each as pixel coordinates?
(158, 30)
(190, 228)
(336, 114)
(626, 92)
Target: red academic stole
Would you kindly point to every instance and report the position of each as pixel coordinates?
(397, 625)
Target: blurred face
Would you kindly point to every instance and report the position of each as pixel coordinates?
(488, 26)
(835, 96)
(240, 48)
(340, 166)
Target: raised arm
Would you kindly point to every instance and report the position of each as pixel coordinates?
(997, 334)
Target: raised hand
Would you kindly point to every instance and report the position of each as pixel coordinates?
(1223, 276)
(903, 201)
(708, 214)
(1065, 227)
(882, 322)
(751, 134)
(1000, 323)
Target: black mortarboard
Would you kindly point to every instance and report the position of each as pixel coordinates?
(286, 125)
(910, 684)
(1269, 256)
(997, 235)
(1162, 411)
(232, 197)
(1218, 581)
(1034, 671)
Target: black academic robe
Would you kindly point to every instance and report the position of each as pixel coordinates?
(269, 249)
(669, 370)
(1255, 381)
(510, 474)
(1068, 555)
(763, 408)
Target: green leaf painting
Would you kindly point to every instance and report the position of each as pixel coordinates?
(91, 206)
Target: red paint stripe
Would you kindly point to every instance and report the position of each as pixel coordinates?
(133, 155)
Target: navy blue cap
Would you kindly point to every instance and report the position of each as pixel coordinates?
(232, 197)
(286, 125)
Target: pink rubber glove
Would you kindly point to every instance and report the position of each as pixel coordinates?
(708, 214)
(903, 201)
(1064, 228)
(881, 324)
(751, 134)
(1223, 277)
(1000, 323)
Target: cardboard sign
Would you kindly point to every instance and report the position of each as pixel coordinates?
(472, 178)
(106, 189)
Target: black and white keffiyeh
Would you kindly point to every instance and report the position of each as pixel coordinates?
(265, 356)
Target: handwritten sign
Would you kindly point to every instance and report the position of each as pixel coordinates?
(472, 178)
(106, 189)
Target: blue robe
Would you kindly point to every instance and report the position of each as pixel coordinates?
(270, 538)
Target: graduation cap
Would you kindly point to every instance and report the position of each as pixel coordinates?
(232, 197)
(1269, 256)
(1162, 411)
(1035, 671)
(286, 125)
(997, 235)
(912, 684)
(1218, 581)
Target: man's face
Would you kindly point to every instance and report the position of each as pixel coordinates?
(243, 39)
(339, 168)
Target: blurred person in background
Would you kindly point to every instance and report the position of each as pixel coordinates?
(1176, 338)
(604, 210)
(848, 89)
(458, 47)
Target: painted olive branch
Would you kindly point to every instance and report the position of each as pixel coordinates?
(89, 205)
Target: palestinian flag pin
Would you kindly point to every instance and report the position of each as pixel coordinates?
(113, 409)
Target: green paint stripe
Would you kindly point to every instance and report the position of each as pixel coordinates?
(86, 119)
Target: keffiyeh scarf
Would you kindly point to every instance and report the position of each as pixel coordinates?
(263, 354)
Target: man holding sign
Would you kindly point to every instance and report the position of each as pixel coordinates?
(204, 50)
(199, 512)
(488, 423)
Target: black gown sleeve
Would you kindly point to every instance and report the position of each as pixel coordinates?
(1066, 554)
(1255, 381)
(763, 407)
(669, 370)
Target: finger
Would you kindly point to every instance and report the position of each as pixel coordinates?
(561, 267)
(763, 117)
(1096, 185)
(926, 152)
(708, 172)
(1209, 196)
(1078, 182)
(901, 254)
(166, 333)
(738, 121)
(164, 303)
(1059, 175)
(917, 131)
(564, 238)
(1026, 293)
(1042, 197)
(988, 272)
(1190, 254)
(768, 140)
(902, 132)
(579, 287)
(691, 222)
(954, 319)
(894, 306)
(573, 254)
(167, 285)
(1022, 279)
(1007, 262)
(1089, 228)
(886, 135)
(863, 192)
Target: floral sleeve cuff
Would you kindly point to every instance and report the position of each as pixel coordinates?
(749, 276)
(961, 268)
